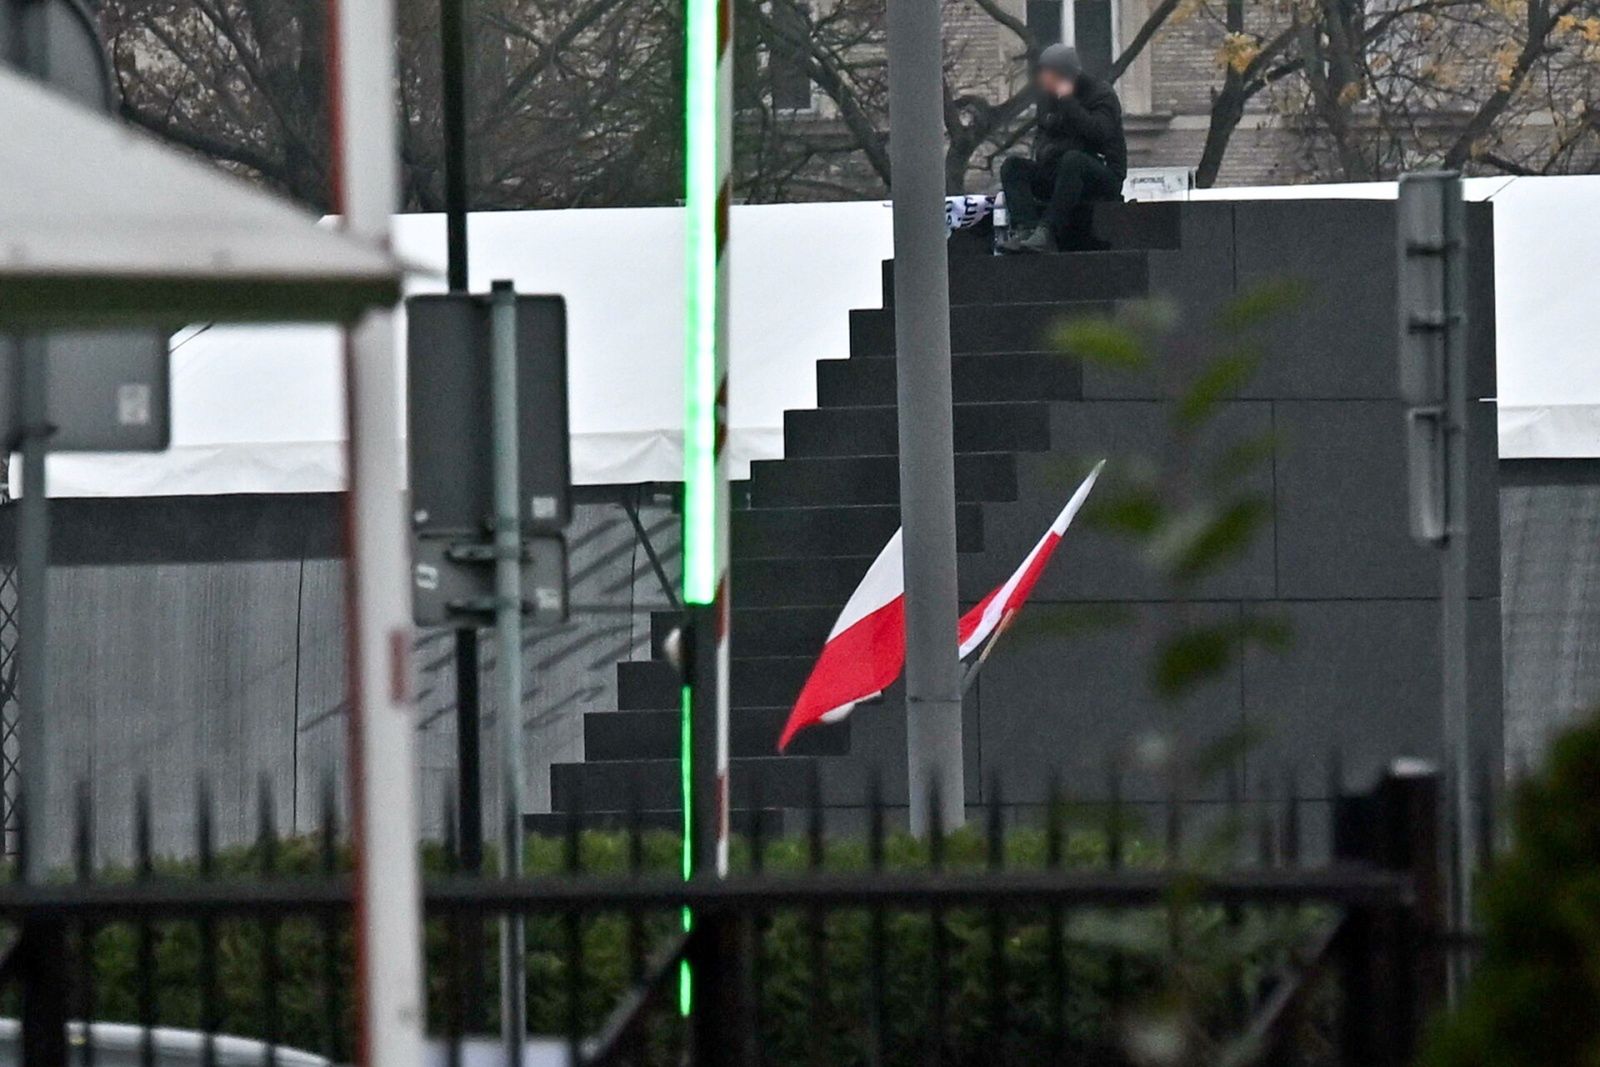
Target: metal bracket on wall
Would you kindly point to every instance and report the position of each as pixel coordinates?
(631, 506)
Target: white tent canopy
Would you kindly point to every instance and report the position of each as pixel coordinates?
(260, 409)
(101, 223)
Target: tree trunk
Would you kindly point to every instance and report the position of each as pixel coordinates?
(1227, 110)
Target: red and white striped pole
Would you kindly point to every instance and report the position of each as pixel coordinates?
(708, 129)
(377, 577)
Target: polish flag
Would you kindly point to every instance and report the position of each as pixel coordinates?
(995, 611)
(866, 649)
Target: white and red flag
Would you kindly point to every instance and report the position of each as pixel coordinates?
(866, 648)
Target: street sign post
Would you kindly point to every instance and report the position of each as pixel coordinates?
(1431, 246)
(449, 386)
(490, 497)
(108, 390)
(453, 419)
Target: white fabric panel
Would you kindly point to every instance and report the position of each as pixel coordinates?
(261, 409)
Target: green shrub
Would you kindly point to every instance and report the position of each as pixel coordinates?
(1535, 994)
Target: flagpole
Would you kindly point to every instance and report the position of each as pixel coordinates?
(934, 758)
(971, 677)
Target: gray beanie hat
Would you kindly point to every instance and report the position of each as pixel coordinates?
(1062, 59)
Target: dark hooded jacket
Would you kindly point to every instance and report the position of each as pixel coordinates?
(1090, 120)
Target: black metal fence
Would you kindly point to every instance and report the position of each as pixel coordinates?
(1057, 935)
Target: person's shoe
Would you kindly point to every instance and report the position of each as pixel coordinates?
(1039, 241)
(1013, 241)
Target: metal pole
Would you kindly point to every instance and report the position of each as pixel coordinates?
(30, 51)
(927, 447)
(33, 602)
(469, 718)
(452, 46)
(382, 755)
(1453, 574)
(469, 762)
(508, 633)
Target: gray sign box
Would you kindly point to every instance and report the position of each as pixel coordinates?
(449, 438)
(109, 390)
(449, 588)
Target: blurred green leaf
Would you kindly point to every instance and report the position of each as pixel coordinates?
(1057, 620)
(1259, 304)
(1187, 660)
(1240, 458)
(1191, 658)
(1222, 378)
(1202, 539)
(1151, 318)
(1102, 341)
(1130, 509)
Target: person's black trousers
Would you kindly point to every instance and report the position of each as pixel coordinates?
(1047, 191)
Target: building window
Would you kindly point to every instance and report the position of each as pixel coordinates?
(1088, 25)
(771, 68)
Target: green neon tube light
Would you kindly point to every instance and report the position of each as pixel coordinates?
(703, 179)
(702, 184)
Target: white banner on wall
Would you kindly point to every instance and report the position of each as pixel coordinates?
(260, 410)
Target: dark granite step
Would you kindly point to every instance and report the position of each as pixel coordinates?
(996, 377)
(1128, 227)
(771, 583)
(980, 476)
(1020, 427)
(785, 782)
(818, 532)
(979, 328)
(767, 682)
(642, 735)
(977, 280)
(785, 631)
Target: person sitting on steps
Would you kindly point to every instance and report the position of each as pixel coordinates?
(1080, 153)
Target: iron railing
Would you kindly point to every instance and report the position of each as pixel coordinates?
(1031, 941)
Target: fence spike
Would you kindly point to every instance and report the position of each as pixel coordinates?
(877, 934)
(814, 815)
(996, 829)
(145, 975)
(1055, 925)
(1174, 812)
(143, 860)
(266, 826)
(816, 934)
(758, 820)
(937, 941)
(1114, 814)
(452, 829)
(998, 978)
(1291, 816)
(83, 831)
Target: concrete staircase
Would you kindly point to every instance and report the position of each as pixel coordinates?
(815, 519)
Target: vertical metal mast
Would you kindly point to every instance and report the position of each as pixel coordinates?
(469, 774)
(708, 155)
(508, 636)
(927, 442)
(33, 603)
(1432, 301)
